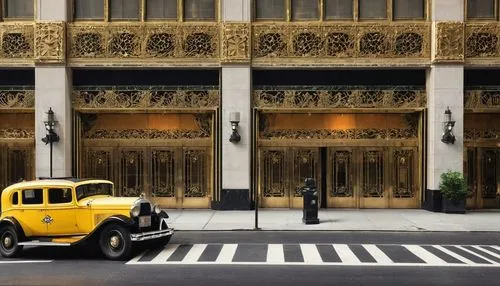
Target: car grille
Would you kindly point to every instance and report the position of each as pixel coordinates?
(145, 209)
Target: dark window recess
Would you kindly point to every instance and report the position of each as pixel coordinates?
(15, 198)
(480, 9)
(60, 196)
(32, 197)
(12, 77)
(475, 77)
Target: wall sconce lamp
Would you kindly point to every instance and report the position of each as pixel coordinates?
(234, 118)
(448, 136)
(51, 136)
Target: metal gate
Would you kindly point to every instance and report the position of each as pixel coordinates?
(482, 165)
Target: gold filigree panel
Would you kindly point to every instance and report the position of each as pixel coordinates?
(236, 43)
(482, 99)
(158, 99)
(146, 134)
(17, 99)
(481, 134)
(143, 41)
(14, 133)
(348, 97)
(449, 38)
(341, 134)
(50, 42)
(341, 41)
(16, 42)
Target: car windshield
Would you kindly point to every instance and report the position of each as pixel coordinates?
(94, 189)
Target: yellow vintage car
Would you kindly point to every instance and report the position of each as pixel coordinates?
(68, 211)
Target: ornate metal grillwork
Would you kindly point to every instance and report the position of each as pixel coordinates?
(340, 97)
(342, 174)
(404, 172)
(99, 164)
(482, 98)
(195, 173)
(478, 134)
(163, 173)
(16, 41)
(306, 134)
(489, 174)
(157, 97)
(132, 172)
(471, 175)
(273, 180)
(17, 98)
(284, 40)
(304, 166)
(145, 134)
(373, 174)
(18, 164)
(481, 40)
(12, 133)
(143, 41)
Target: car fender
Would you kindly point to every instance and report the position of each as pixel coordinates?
(118, 219)
(17, 226)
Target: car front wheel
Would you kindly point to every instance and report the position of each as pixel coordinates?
(115, 242)
(9, 239)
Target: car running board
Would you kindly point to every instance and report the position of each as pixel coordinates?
(43, 243)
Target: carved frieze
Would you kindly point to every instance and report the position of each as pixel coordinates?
(17, 99)
(50, 42)
(153, 98)
(16, 41)
(482, 99)
(145, 134)
(236, 42)
(449, 42)
(342, 134)
(339, 97)
(13, 133)
(481, 134)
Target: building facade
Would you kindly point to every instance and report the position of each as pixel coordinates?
(353, 93)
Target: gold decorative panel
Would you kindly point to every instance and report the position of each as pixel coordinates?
(50, 42)
(304, 166)
(483, 99)
(157, 98)
(99, 164)
(348, 134)
(274, 173)
(471, 134)
(339, 97)
(132, 171)
(449, 42)
(403, 174)
(163, 173)
(342, 185)
(236, 43)
(373, 174)
(17, 99)
(18, 165)
(298, 42)
(114, 43)
(15, 133)
(489, 174)
(16, 42)
(195, 181)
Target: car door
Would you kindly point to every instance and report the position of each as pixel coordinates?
(60, 212)
(32, 212)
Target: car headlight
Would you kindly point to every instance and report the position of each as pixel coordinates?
(157, 209)
(135, 211)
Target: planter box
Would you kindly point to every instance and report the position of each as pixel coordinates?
(433, 200)
(453, 207)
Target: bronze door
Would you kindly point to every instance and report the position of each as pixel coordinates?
(482, 169)
(174, 177)
(282, 171)
(378, 177)
(18, 162)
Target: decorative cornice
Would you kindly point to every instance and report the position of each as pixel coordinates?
(50, 44)
(236, 43)
(449, 37)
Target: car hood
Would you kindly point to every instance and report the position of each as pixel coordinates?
(102, 202)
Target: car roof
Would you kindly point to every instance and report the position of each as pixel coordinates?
(60, 182)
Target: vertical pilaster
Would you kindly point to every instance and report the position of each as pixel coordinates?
(52, 87)
(445, 88)
(236, 97)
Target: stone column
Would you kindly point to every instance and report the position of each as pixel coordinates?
(445, 88)
(236, 95)
(52, 87)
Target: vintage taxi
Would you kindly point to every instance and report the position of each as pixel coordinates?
(68, 211)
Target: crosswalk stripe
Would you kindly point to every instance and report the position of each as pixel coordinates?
(165, 254)
(227, 253)
(310, 253)
(425, 255)
(487, 251)
(346, 254)
(275, 253)
(454, 255)
(378, 254)
(476, 254)
(195, 253)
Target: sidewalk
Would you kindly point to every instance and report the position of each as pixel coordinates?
(337, 220)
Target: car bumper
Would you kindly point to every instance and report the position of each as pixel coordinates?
(150, 235)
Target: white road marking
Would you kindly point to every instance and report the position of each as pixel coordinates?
(24, 261)
(194, 254)
(166, 253)
(378, 254)
(275, 254)
(476, 254)
(310, 253)
(425, 255)
(346, 254)
(454, 255)
(227, 253)
(487, 251)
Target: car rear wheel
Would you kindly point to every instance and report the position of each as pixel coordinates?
(115, 242)
(9, 239)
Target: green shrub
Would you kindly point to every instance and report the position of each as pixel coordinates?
(453, 186)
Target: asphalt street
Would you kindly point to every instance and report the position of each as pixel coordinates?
(274, 258)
